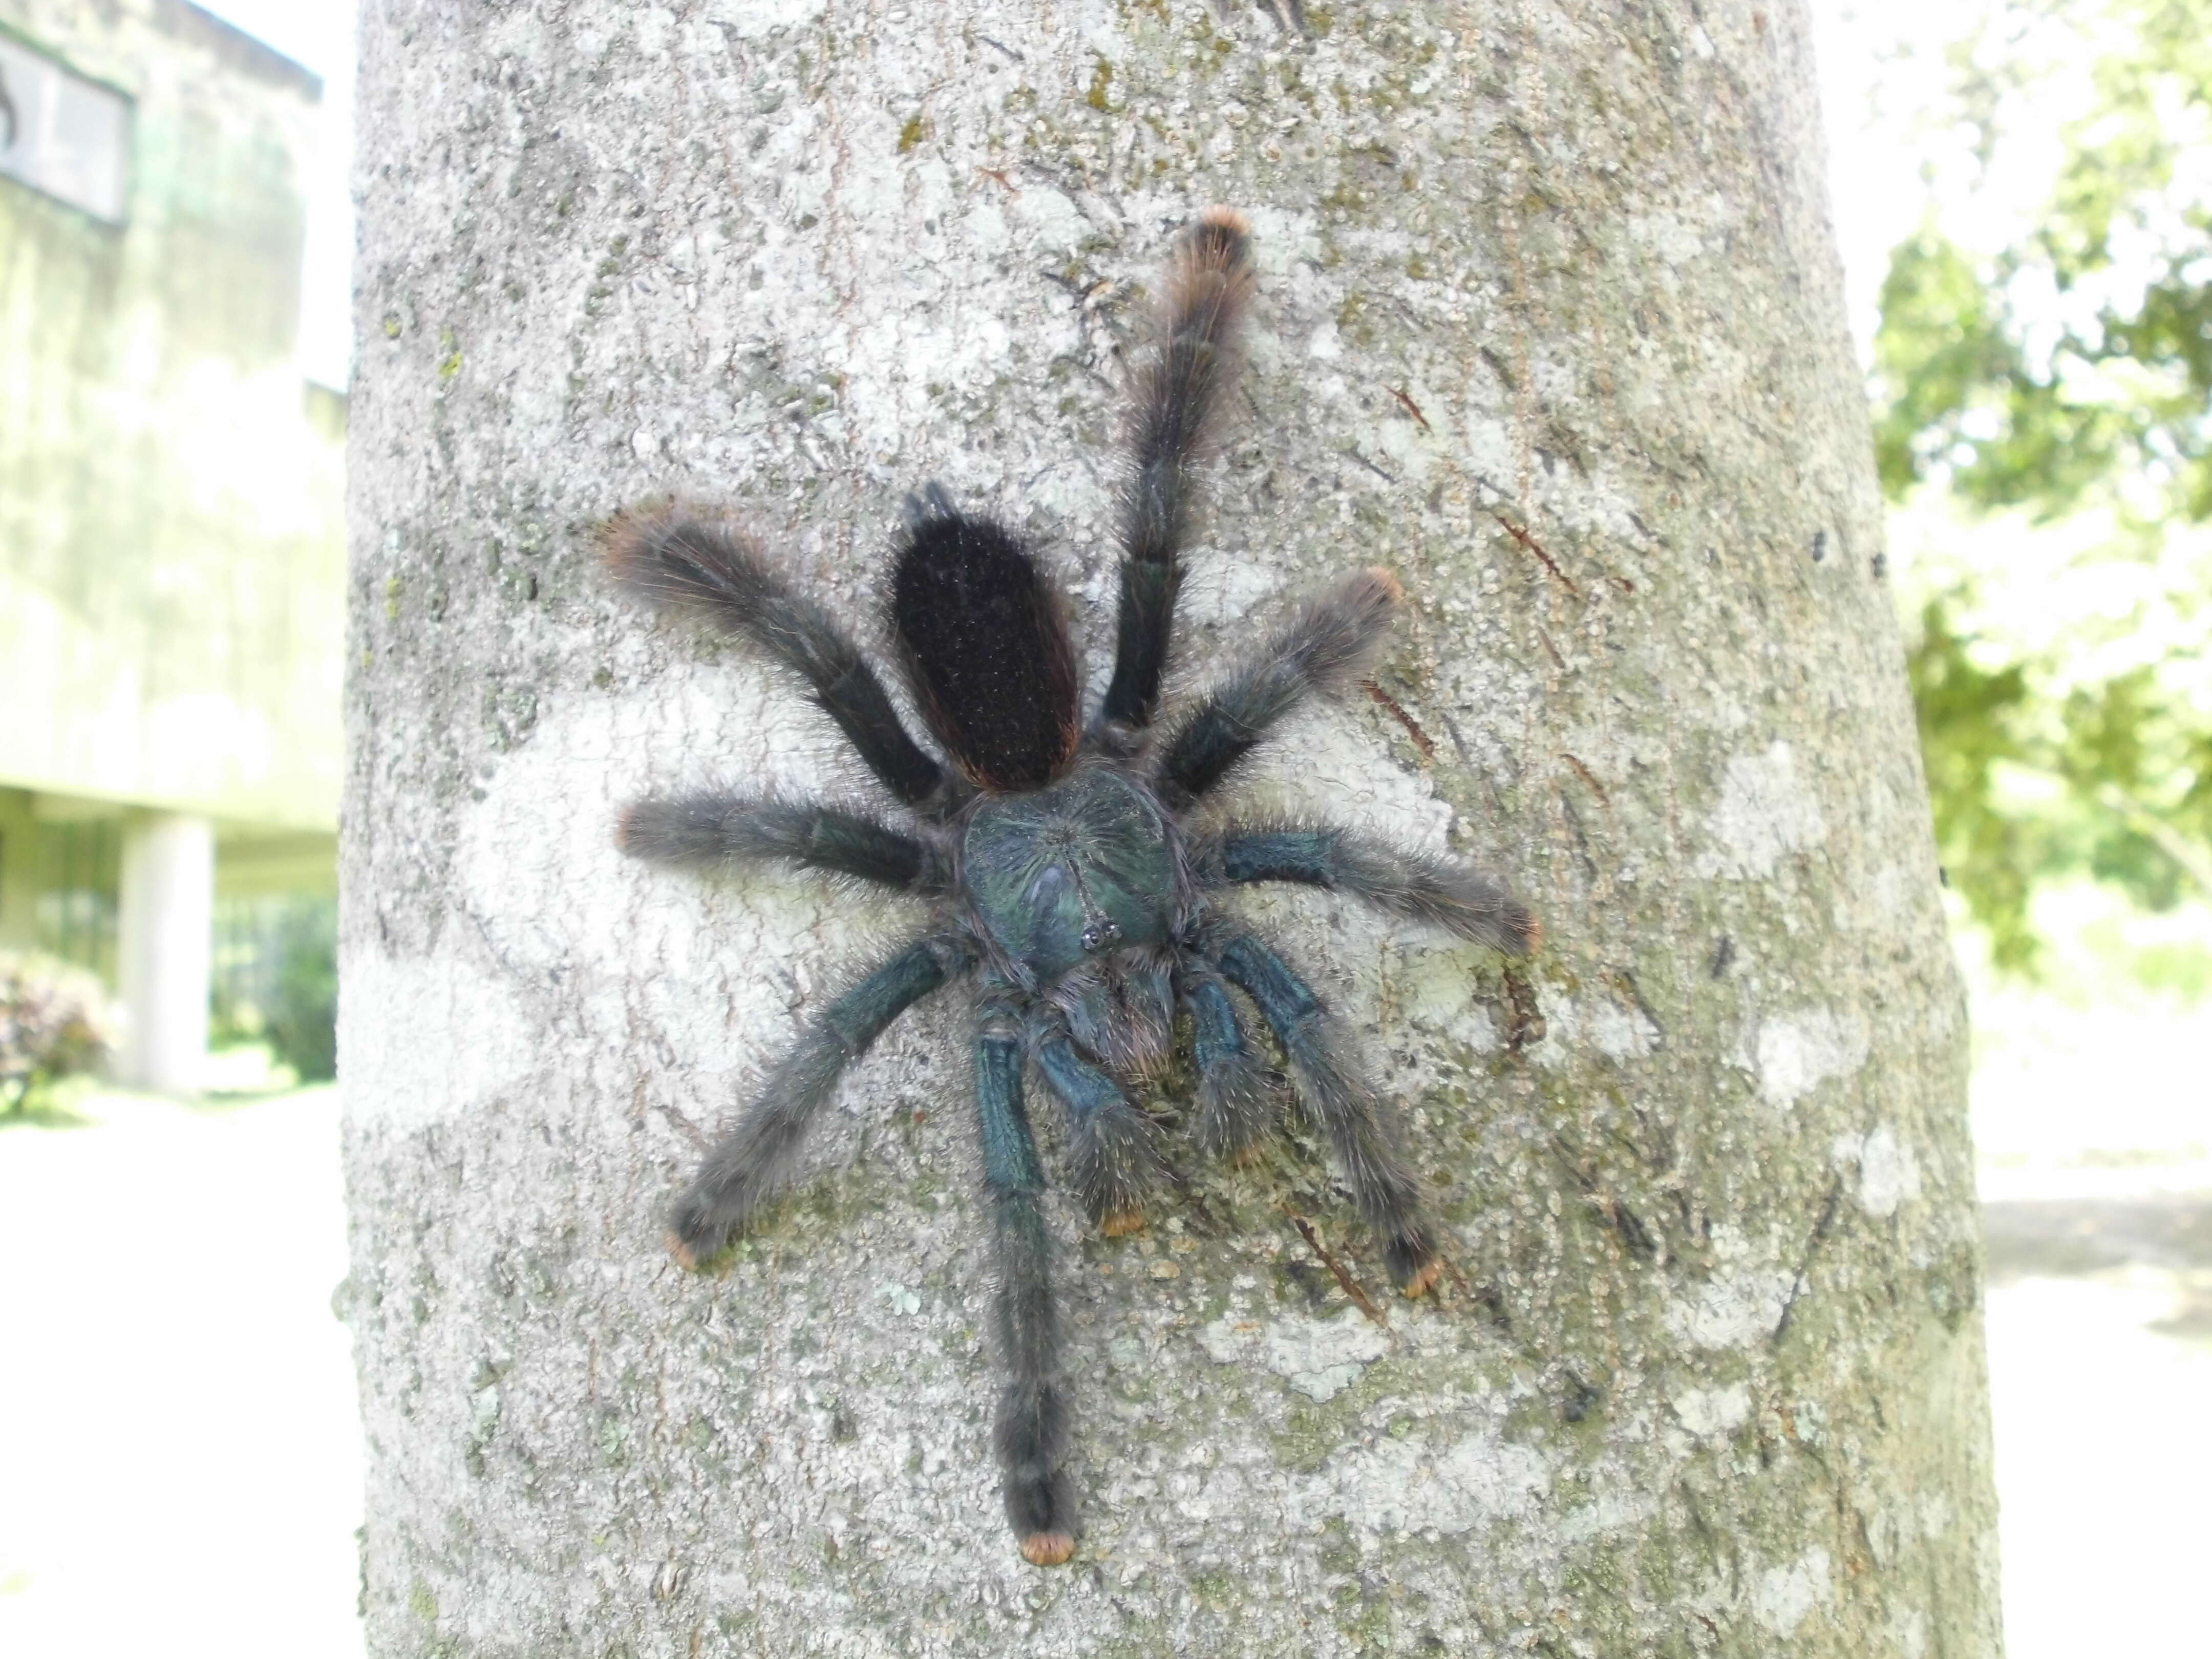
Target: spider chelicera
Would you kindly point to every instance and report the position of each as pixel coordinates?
(1068, 880)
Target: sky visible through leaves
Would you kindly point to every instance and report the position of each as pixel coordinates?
(2040, 373)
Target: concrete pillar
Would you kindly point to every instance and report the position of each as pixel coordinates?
(164, 947)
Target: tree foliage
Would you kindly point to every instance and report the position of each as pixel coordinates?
(303, 1012)
(2064, 376)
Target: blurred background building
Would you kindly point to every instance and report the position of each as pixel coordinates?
(172, 542)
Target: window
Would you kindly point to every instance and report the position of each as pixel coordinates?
(63, 135)
(79, 872)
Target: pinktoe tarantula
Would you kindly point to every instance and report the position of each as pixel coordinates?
(1067, 877)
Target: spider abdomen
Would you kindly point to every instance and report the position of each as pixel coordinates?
(1084, 868)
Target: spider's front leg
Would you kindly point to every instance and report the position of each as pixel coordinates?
(1343, 1106)
(1032, 1423)
(1235, 1094)
(745, 1164)
(1177, 389)
(717, 572)
(710, 827)
(1113, 1148)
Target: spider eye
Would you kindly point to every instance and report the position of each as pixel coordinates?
(1100, 934)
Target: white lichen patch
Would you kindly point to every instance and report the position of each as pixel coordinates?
(1611, 1512)
(1618, 1031)
(1713, 1411)
(1738, 1307)
(1794, 1053)
(1783, 1596)
(1622, 1033)
(544, 897)
(1319, 1358)
(451, 1036)
(1888, 1171)
(1406, 1486)
(1766, 812)
(1889, 894)
(1053, 220)
(1670, 244)
(1437, 992)
(1935, 1514)
(751, 20)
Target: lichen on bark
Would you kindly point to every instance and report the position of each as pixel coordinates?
(1550, 325)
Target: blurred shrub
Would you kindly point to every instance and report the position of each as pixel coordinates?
(2066, 709)
(55, 1020)
(301, 1020)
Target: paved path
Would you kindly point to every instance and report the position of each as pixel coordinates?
(2100, 1374)
(179, 1474)
(179, 1471)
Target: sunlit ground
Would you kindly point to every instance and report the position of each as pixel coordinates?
(179, 1474)
(180, 1466)
(2092, 1122)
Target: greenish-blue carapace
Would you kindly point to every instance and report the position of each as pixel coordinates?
(1086, 866)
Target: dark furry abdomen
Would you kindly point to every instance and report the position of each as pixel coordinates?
(986, 647)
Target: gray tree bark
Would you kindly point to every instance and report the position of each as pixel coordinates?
(1550, 325)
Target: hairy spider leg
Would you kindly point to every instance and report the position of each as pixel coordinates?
(983, 638)
(1032, 1426)
(1176, 392)
(712, 827)
(1113, 1148)
(1443, 892)
(1236, 1095)
(717, 572)
(747, 1162)
(1327, 645)
(1343, 1107)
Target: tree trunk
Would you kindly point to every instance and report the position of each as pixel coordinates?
(1549, 324)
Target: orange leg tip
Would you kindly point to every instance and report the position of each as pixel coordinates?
(685, 1254)
(1222, 217)
(1392, 587)
(1048, 1549)
(1424, 1278)
(1120, 1223)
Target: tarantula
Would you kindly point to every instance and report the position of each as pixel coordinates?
(1067, 877)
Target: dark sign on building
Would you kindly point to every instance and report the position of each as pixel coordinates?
(63, 135)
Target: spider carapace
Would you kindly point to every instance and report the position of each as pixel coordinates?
(1069, 877)
(1084, 866)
